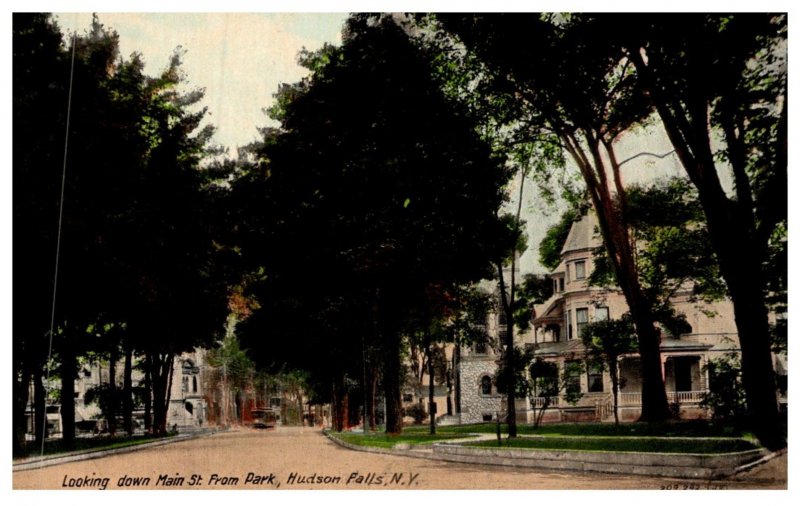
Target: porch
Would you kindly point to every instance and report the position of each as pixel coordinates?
(599, 407)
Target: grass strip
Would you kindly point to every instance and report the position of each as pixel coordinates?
(611, 444)
(666, 429)
(91, 444)
(388, 441)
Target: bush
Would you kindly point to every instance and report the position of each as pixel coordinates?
(417, 412)
(726, 394)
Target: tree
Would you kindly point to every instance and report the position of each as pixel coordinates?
(606, 341)
(40, 82)
(235, 370)
(545, 384)
(581, 94)
(724, 77)
(380, 199)
(133, 247)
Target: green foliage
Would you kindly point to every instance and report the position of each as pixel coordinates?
(725, 397)
(232, 361)
(674, 248)
(533, 289)
(513, 373)
(417, 412)
(553, 242)
(609, 339)
(107, 399)
(468, 319)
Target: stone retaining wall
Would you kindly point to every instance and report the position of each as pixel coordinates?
(644, 464)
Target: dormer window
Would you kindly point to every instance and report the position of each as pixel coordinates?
(561, 284)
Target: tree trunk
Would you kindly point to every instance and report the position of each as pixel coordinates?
(39, 409)
(750, 312)
(612, 370)
(339, 404)
(457, 373)
(148, 397)
(613, 221)
(733, 235)
(655, 407)
(372, 385)
(391, 382)
(127, 392)
(508, 352)
(69, 371)
(431, 403)
(161, 378)
(112, 390)
(22, 379)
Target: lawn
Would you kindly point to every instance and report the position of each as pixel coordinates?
(622, 444)
(665, 429)
(382, 440)
(88, 444)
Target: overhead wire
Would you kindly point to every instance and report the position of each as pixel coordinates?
(58, 234)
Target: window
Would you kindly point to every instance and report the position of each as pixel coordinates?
(594, 375)
(487, 417)
(581, 318)
(572, 373)
(555, 285)
(600, 314)
(569, 324)
(561, 284)
(567, 269)
(194, 384)
(480, 348)
(580, 269)
(486, 385)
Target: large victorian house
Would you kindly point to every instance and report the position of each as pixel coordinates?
(555, 339)
(559, 321)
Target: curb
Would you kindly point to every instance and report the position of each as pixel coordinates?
(47, 461)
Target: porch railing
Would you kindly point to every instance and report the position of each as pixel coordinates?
(635, 398)
(538, 402)
(605, 406)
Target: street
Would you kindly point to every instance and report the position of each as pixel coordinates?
(303, 459)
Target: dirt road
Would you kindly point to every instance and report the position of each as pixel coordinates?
(303, 459)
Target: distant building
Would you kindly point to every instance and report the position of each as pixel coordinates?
(187, 404)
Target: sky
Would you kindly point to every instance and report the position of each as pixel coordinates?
(239, 58)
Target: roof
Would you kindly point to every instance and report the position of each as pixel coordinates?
(559, 348)
(670, 344)
(582, 235)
